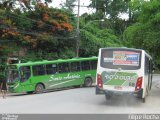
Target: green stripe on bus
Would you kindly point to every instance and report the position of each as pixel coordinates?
(115, 82)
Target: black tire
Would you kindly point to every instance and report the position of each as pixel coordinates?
(108, 97)
(30, 92)
(88, 82)
(143, 100)
(39, 88)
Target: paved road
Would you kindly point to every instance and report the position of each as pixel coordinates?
(81, 100)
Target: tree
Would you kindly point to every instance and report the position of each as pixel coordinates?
(110, 8)
(95, 35)
(43, 30)
(145, 32)
(70, 4)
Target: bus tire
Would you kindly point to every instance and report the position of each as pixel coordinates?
(145, 94)
(30, 92)
(143, 100)
(39, 88)
(108, 97)
(88, 82)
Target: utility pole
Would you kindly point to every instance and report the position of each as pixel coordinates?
(78, 31)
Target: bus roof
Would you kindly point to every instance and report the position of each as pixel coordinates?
(30, 63)
(122, 48)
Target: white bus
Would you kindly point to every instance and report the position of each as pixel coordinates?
(124, 70)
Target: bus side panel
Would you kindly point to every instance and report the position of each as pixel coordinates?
(64, 79)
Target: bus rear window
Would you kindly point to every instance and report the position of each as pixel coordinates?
(121, 59)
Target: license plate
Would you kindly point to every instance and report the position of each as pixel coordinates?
(118, 87)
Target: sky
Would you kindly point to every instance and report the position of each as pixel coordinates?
(58, 3)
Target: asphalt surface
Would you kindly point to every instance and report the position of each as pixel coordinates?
(80, 101)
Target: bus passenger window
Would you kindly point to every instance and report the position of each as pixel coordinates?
(146, 65)
(85, 65)
(38, 70)
(93, 64)
(63, 67)
(75, 66)
(25, 73)
(51, 69)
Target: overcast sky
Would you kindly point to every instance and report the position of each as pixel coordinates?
(57, 3)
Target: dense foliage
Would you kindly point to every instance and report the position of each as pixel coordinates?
(43, 30)
(34, 31)
(145, 33)
(96, 34)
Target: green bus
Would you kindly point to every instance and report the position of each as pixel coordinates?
(44, 75)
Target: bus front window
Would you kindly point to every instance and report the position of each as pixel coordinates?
(12, 76)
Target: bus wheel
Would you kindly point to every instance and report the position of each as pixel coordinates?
(30, 92)
(39, 88)
(108, 97)
(146, 94)
(143, 100)
(88, 82)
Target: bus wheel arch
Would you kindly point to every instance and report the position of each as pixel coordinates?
(39, 88)
(88, 82)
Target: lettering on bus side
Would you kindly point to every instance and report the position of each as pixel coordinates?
(74, 76)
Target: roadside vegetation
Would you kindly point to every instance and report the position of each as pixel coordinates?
(31, 30)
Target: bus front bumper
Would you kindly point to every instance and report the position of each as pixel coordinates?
(138, 93)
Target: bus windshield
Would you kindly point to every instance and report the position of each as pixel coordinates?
(12, 75)
(121, 59)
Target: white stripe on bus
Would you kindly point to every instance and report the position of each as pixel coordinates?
(16, 86)
(62, 83)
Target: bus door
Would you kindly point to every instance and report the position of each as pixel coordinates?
(150, 74)
(25, 78)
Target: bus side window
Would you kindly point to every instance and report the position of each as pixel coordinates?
(146, 65)
(63, 67)
(25, 73)
(51, 69)
(38, 70)
(85, 65)
(75, 66)
(93, 64)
